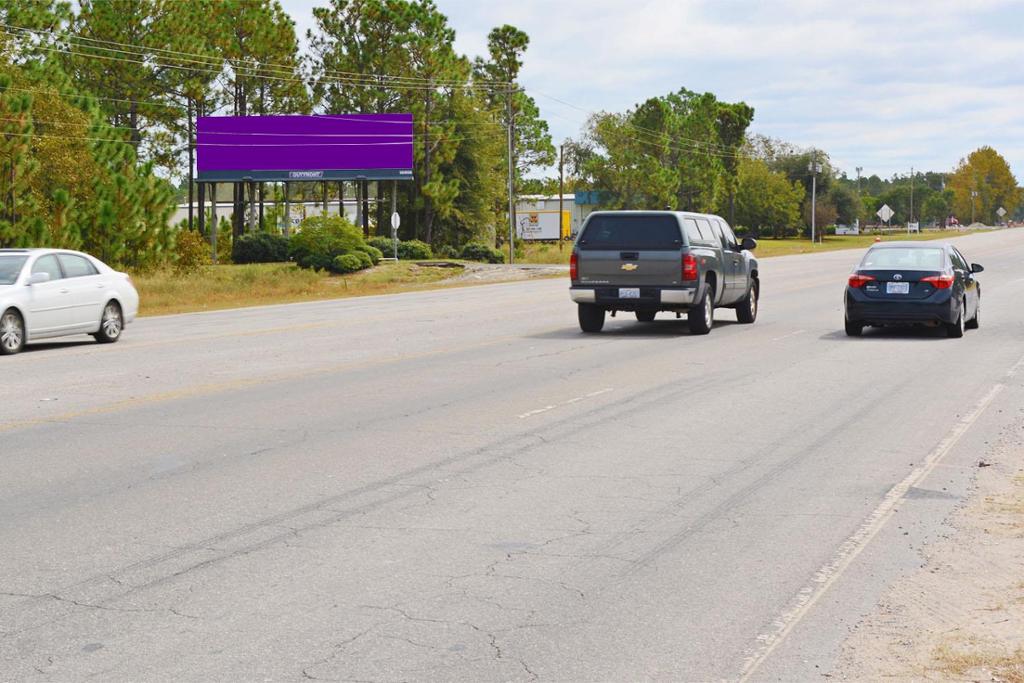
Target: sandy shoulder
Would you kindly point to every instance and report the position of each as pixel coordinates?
(961, 616)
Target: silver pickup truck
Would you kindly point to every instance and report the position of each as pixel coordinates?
(651, 261)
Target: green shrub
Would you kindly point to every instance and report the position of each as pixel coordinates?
(190, 251)
(413, 250)
(384, 244)
(475, 251)
(363, 257)
(322, 239)
(347, 263)
(260, 247)
(448, 251)
(373, 253)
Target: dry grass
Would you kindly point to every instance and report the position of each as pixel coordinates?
(219, 287)
(969, 658)
(548, 252)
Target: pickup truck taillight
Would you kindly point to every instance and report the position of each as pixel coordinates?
(689, 268)
(574, 266)
(939, 281)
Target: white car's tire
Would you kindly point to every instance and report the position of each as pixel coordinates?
(12, 333)
(111, 324)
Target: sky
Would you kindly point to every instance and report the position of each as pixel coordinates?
(884, 85)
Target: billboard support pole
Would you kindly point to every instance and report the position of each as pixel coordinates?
(341, 199)
(262, 224)
(202, 208)
(323, 188)
(359, 203)
(287, 209)
(215, 228)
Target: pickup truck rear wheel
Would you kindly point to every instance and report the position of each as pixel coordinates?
(591, 317)
(645, 316)
(702, 316)
(746, 310)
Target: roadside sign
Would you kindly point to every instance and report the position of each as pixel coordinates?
(396, 221)
(1001, 212)
(885, 213)
(913, 227)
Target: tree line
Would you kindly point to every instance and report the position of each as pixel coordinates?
(99, 102)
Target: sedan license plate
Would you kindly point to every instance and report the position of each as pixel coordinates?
(897, 288)
(629, 293)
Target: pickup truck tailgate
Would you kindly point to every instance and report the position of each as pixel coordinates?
(629, 268)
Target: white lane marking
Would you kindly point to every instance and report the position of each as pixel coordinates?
(545, 409)
(825, 577)
(787, 336)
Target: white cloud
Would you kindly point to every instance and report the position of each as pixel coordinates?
(880, 84)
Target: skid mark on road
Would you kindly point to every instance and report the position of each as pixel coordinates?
(848, 551)
(545, 409)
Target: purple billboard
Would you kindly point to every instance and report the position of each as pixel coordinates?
(272, 148)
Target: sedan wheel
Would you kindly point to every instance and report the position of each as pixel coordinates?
(975, 322)
(12, 333)
(111, 324)
(956, 329)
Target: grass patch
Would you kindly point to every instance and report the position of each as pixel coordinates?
(767, 247)
(232, 286)
(548, 252)
(958, 661)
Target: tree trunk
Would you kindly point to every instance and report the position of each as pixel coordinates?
(191, 164)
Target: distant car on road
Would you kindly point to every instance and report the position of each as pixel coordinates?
(47, 293)
(651, 261)
(913, 283)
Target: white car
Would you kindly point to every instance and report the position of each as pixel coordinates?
(47, 293)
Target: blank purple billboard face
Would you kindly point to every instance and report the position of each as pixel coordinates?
(304, 147)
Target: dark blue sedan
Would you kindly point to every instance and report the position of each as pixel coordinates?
(914, 283)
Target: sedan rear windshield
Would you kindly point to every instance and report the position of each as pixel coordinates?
(900, 258)
(10, 268)
(651, 233)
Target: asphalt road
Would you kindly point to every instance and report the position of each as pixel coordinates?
(458, 485)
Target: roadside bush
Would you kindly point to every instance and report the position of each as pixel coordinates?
(447, 251)
(364, 258)
(383, 244)
(414, 250)
(260, 247)
(190, 251)
(373, 252)
(475, 251)
(347, 263)
(322, 239)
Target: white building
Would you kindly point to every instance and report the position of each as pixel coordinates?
(540, 202)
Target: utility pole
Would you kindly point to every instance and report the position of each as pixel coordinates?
(815, 168)
(561, 193)
(974, 194)
(860, 203)
(511, 181)
(911, 195)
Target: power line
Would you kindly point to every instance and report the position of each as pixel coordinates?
(262, 71)
(211, 60)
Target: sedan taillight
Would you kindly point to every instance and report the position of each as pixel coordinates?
(857, 280)
(939, 281)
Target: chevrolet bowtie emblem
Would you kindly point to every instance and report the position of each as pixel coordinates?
(629, 266)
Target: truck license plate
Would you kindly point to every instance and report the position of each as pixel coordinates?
(629, 293)
(897, 288)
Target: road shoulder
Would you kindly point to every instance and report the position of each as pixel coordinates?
(961, 615)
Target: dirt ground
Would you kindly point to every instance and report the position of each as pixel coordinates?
(961, 616)
(486, 272)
